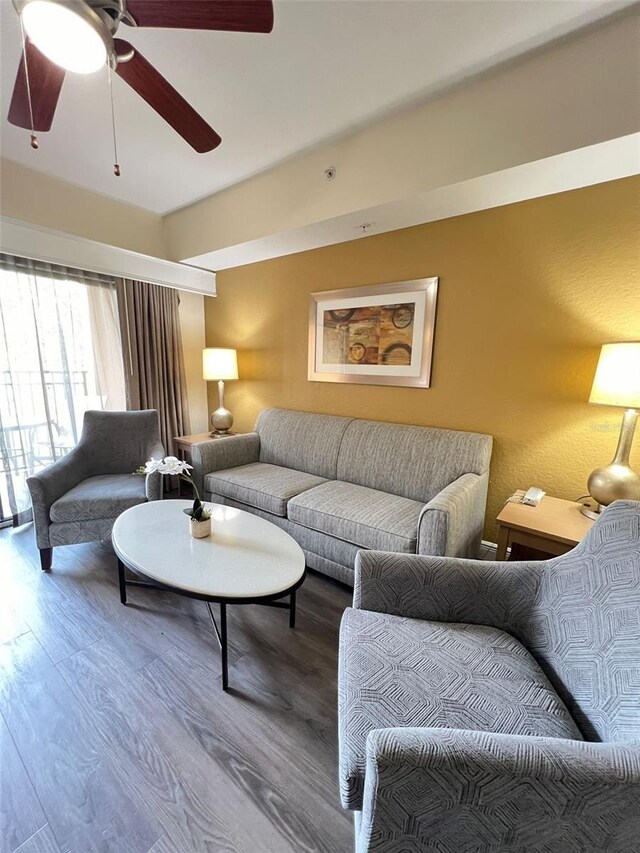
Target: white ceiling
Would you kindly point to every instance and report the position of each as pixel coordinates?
(328, 66)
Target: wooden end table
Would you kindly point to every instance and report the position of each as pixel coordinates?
(184, 442)
(555, 526)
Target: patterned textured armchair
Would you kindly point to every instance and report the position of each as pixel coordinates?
(78, 498)
(495, 707)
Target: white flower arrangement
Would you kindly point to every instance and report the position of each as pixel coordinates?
(178, 467)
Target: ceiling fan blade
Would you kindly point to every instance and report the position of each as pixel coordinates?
(244, 16)
(163, 98)
(45, 82)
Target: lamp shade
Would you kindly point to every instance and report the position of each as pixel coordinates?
(219, 363)
(617, 379)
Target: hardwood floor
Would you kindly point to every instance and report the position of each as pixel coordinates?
(116, 737)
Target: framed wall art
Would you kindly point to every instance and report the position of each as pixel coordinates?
(378, 335)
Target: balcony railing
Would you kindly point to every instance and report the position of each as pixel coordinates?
(39, 417)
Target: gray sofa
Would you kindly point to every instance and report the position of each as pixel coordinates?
(78, 498)
(341, 484)
(495, 707)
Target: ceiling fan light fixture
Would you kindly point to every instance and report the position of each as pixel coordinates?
(68, 36)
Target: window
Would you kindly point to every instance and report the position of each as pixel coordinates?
(60, 355)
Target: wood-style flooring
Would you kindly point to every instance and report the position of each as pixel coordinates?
(116, 737)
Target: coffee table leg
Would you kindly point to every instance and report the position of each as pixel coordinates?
(223, 646)
(221, 636)
(292, 610)
(123, 586)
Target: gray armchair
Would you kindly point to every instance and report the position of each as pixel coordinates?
(495, 707)
(78, 498)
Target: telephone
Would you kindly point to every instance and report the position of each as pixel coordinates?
(531, 497)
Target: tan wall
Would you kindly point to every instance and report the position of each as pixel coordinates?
(193, 337)
(40, 199)
(528, 292)
(577, 92)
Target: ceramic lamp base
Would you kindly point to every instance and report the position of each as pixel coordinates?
(221, 421)
(592, 512)
(617, 481)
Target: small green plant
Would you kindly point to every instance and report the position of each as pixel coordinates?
(198, 511)
(174, 466)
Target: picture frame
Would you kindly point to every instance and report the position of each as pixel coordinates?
(375, 335)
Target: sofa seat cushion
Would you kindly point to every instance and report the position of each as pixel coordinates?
(265, 486)
(362, 516)
(401, 672)
(105, 496)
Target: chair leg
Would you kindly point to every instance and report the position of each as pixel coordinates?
(46, 555)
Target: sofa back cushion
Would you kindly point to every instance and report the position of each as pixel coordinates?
(410, 461)
(584, 628)
(301, 440)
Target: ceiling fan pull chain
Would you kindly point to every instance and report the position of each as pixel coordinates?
(34, 138)
(116, 165)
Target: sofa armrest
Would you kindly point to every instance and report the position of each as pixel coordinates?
(446, 589)
(450, 789)
(221, 453)
(451, 523)
(51, 483)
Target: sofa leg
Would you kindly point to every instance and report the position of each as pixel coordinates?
(46, 555)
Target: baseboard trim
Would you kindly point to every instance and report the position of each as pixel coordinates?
(490, 546)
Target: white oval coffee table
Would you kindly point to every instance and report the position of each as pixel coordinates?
(246, 560)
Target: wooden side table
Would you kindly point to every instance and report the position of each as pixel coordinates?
(554, 526)
(184, 442)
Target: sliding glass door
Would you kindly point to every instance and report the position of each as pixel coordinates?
(60, 355)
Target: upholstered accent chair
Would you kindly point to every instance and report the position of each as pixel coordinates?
(78, 498)
(495, 707)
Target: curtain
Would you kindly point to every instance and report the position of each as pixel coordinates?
(107, 348)
(51, 368)
(152, 353)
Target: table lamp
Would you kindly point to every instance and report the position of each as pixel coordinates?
(217, 365)
(617, 383)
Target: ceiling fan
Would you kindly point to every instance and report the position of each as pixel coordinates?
(79, 36)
